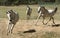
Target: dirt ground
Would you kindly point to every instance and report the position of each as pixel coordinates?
(23, 25)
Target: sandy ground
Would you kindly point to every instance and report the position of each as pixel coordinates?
(23, 25)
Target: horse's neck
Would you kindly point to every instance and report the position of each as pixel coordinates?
(13, 13)
(45, 11)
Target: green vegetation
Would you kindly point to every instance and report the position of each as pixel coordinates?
(19, 2)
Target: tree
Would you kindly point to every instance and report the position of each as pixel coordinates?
(57, 1)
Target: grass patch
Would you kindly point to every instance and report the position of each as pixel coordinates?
(50, 35)
(41, 34)
(22, 11)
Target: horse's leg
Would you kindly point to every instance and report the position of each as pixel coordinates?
(38, 19)
(28, 17)
(12, 27)
(53, 20)
(8, 28)
(43, 20)
(49, 20)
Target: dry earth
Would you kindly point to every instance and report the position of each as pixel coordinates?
(42, 31)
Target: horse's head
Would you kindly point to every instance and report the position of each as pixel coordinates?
(9, 12)
(42, 8)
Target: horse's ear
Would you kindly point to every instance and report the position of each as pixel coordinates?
(42, 6)
(11, 10)
(7, 12)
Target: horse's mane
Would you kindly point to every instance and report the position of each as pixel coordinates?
(44, 9)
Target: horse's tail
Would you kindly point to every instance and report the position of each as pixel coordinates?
(55, 9)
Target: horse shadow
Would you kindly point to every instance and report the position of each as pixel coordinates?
(56, 25)
(30, 31)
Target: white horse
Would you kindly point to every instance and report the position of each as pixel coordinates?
(13, 18)
(43, 12)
